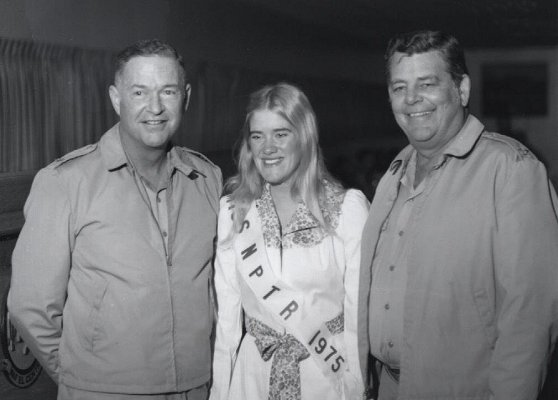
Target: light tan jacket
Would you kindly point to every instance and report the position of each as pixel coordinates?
(100, 302)
(481, 309)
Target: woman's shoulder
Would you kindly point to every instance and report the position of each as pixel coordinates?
(331, 202)
(336, 196)
(355, 197)
(351, 203)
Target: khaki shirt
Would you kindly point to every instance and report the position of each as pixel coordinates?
(389, 273)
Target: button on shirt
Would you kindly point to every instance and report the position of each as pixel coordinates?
(157, 200)
(158, 203)
(389, 273)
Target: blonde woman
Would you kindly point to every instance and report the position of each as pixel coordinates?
(287, 263)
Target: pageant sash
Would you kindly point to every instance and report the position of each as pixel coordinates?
(287, 305)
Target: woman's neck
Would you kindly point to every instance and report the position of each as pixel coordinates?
(285, 205)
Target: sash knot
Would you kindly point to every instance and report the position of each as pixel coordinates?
(287, 353)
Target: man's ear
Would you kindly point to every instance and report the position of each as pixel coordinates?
(465, 90)
(115, 99)
(187, 93)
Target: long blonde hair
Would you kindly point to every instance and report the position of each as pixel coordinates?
(290, 103)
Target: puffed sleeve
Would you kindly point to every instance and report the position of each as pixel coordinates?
(354, 212)
(229, 307)
(526, 269)
(40, 269)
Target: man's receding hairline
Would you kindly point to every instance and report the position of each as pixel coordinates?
(182, 71)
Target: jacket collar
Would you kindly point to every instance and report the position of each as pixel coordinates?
(460, 146)
(465, 140)
(115, 158)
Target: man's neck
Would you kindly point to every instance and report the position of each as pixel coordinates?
(426, 161)
(154, 171)
(150, 164)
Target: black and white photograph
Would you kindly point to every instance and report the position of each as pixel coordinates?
(278, 199)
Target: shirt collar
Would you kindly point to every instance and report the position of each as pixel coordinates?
(112, 150)
(408, 175)
(115, 158)
(301, 219)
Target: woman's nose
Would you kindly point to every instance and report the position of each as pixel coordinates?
(269, 146)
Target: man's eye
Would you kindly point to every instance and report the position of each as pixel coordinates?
(138, 93)
(397, 89)
(169, 92)
(255, 136)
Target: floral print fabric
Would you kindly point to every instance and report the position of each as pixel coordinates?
(303, 229)
(287, 353)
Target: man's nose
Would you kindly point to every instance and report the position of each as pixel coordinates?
(412, 96)
(155, 104)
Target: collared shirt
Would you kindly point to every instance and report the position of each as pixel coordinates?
(389, 272)
(159, 208)
(157, 197)
(135, 301)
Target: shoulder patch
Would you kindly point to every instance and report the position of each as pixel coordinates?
(394, 167)
(521, 151)
(185, 152)
(74, 154)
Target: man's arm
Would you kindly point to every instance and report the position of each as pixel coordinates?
(526, 269)
(40, 269)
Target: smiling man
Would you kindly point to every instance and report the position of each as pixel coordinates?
(110, 275)
(458, 293)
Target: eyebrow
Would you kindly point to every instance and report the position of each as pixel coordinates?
(421, 78)
(275, 130)
(429, 77)
(140, 86)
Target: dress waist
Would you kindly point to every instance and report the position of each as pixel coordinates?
(287, 353)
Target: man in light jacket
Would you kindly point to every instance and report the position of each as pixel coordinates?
(110, 274)
(459, 269)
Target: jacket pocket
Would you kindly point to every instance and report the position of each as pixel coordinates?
(95, 319)
(486, 315)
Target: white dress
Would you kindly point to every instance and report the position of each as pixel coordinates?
(324, 267)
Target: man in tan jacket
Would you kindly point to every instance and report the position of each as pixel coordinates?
(110, 275)
(458, 290)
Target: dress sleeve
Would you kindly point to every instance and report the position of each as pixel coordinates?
(229, 308)
(354, 212)
(40, 269)
(526, 271)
